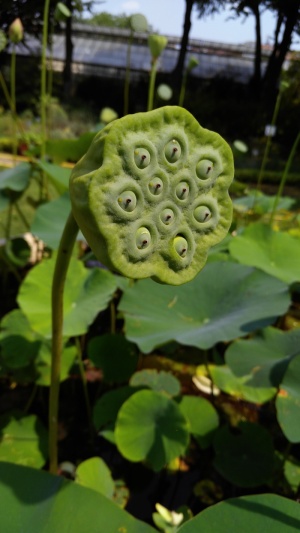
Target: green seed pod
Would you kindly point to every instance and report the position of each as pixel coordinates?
(16, 31)
(147, 216)
(157, 43)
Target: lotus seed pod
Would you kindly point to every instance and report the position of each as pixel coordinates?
(16, 31)
(193, 63)
(138, 22)
(144, 214)
(157, 43)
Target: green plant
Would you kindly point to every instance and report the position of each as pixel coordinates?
(157, 44)
(151, 197)
(138, 23)
(192, 63)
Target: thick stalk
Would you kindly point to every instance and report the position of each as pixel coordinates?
(62, 263)
(284, 176)
(152, 84)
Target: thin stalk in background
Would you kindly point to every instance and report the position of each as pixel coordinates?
(85, 389)
(61, 267)
(157, 44)
(193, 62)
(284, 177)
(9, 102)
(13, 100)
(43, 96)
(127, 75)
(283, 86)
(152, 84)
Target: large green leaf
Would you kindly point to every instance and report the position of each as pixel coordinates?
(202, 417)
(263, 512)
(49, 220)
(86, 293)
(262, 203)
(106, 408)
(150, 426)
(238, 387)
(225, 301)
(57, 175)
(274, 252)
(23, 440)
(19, 345)
(160, 381)
(95, 474)
(245, 456)
(33, 501)
(15, 179)
(265, 357)
(288, 401)
(26, 354)
(116, 357)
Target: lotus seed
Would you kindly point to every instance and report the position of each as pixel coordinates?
(156, 186)
(172, 151)
(167, 216)
(182, 190)
(181, 246)
(204, 169)
(143, 238)
(202, 213)
(141, 157)
(127, 201)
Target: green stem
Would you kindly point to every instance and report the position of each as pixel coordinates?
(13, 100)
(43, 79)
(269, 142)
(9, 220)
(182, 89)
(85, 389)
(22, 216)
(9, 102)
(127, 76)
(284, 176)
(62, 263)
(152, 84)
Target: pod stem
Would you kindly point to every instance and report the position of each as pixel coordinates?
(60, 272)
(152, 84)
(284, 176)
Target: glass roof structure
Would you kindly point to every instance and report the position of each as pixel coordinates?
(103, 51)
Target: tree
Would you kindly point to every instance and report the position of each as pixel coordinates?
(246, 8)
(288, 22)
(205, 8)
(108, 20)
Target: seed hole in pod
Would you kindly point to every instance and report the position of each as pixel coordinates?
(127, 200)
(143, 238)
(202, 213)
(204, 169)
(156, 186)
(167, 216)
(182, 190)
(141, 157)
(181, 246)
(172, 151)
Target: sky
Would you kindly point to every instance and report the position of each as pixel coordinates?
(166, 17)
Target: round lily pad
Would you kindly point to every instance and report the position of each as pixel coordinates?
(151, 427)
